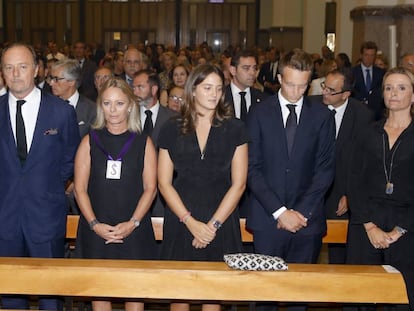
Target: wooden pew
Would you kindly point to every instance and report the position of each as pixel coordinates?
(206, 281)
(337, 229)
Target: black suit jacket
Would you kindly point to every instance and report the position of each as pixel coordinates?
(356, 117)
(373, 97)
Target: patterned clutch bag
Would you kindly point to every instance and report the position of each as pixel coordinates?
(255, 262)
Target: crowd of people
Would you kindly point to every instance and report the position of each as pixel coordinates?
(284, 142)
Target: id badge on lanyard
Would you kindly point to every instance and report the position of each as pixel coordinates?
(113, 167)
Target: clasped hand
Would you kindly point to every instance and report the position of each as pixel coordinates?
(114, 234)
(203, 233)
(292, 221)
(381, 239)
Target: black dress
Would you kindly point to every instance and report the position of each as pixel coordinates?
(114, 200)
(201, 182)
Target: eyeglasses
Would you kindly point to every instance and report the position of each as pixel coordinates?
(132, 63)
(331, 91)
(177, 99)
(54, 79)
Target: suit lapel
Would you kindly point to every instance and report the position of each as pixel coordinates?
(6, 129)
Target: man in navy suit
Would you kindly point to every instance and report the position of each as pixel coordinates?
(291, 166)
(351, 117)
(368, 80)
(243, 69)
(37, 148)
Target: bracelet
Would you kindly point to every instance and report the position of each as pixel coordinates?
(185, 217)
(93, 223)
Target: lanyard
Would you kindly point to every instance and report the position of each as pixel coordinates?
(124, 149)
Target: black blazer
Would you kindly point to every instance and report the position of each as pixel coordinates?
(356, 117)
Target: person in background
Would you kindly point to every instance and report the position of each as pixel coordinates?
(178, 76)
(118, 64)
(316, 84)
(102, 75)
(381, 228)
(115, 184)
(88, 68)
(202, 171)
(407, 61)
(342, 61)
(175, 98)
(381, 61)
(368, 79)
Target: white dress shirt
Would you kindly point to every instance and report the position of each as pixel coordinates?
(154, 109)
(235, 91)
(30, 111)
(339, 115)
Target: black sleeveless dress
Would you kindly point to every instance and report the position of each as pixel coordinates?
(201, 181)
(114, 200)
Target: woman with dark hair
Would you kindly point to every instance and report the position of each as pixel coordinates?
(178, 76)
(381, 199)
(205, 150)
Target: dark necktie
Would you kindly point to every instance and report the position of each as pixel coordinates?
(291, 125)
(243, 106)
(20, 133)
(368, 81)
(148, 126)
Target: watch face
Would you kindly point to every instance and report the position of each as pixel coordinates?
(216, 224)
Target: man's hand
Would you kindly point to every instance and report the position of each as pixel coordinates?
(292, 221)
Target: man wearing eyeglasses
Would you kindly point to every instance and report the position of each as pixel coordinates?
(132, 64)
(351, 116)
(64, 80)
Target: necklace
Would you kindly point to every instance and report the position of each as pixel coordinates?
(389, 186)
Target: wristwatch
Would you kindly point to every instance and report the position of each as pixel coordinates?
(136, 222)
(93, 223)
(216, 224)
(400, 230)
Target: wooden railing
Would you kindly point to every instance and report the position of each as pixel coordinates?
(206, 281)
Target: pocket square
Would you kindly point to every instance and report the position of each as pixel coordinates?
(81, 123)
(51, 132)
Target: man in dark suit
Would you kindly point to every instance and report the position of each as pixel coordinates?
(268, 72)
(37, 149)
(88, 68)
(368, 80)
(242, 96)
(291, 166)
(351, 116)
(64, 79)
(146, 85)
